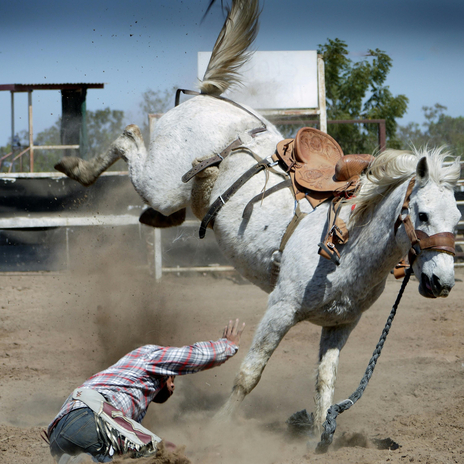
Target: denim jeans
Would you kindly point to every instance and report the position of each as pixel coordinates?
(75, 434)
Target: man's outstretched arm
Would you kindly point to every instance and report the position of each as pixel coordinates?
(199, 356)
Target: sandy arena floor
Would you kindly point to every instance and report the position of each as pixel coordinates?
(58, 329)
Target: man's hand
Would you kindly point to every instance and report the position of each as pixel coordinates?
(232, 333)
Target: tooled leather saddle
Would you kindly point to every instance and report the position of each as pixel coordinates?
(317, 166)
(320, 171)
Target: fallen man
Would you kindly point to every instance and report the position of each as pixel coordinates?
(103, 416)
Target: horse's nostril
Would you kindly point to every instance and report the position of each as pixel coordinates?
(436, 283)
(438, 288)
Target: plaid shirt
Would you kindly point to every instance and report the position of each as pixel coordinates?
(132, 383)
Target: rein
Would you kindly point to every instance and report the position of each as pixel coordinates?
(330, 423)
(442, 242)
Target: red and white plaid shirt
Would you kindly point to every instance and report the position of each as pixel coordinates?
(133, 382)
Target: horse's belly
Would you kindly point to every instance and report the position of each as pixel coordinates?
(249, 244)
(335, 314)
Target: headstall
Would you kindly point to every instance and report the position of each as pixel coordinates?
(443, 242)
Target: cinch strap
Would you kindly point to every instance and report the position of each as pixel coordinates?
(222, 199)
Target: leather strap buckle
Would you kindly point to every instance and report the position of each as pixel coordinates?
(329, 251)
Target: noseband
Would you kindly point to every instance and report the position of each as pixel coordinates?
(443, 242)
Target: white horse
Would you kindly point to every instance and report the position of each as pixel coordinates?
(309, 287)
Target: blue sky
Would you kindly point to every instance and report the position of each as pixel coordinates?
(153, 44)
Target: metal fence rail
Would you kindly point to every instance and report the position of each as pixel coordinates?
(28, 221)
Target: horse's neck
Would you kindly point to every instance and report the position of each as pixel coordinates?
(375, 238)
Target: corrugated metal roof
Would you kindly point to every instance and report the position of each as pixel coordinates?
(68, 86)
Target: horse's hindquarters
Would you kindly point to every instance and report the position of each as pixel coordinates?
(199, 127)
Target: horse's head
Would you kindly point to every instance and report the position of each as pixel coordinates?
(434, 216)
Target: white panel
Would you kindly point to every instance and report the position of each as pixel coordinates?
(274, 80)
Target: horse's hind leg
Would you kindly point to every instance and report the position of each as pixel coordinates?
(130, 147)
(87, 172)
(275, 324)
(333, 339)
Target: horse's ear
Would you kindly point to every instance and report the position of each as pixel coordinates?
(422, 171)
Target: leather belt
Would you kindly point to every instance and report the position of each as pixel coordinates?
(443, 242)
(224, 198)
(216, 159)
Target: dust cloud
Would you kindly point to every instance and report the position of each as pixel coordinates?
(125, 308)
(125, 305)
(58, 329)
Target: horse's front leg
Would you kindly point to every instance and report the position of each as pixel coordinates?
(277, 321)
(333, 339)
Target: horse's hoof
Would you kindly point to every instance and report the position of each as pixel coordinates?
(67, 165)
(153, 218)
(301, 425)
(76, 168)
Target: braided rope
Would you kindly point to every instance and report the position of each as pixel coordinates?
(330, 423)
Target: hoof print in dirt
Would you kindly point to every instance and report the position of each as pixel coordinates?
(385, 444)
(360, 440)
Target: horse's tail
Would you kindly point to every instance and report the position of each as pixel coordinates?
(231, 49)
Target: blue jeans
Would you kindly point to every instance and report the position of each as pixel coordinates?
(76, 433)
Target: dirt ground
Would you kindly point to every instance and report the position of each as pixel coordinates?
(58, 329)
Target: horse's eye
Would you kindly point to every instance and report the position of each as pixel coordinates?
(423, 217)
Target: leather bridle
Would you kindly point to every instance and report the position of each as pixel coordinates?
(443, 242)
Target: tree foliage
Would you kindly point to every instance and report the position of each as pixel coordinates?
(103, 127)
(357, 90)
(44, 160)
(155, 102)
(437, 130)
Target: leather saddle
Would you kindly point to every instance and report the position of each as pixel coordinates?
(320, 171)
(317, 166)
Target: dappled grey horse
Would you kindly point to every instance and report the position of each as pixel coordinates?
(308, 287)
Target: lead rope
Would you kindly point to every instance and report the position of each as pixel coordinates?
(330, 423)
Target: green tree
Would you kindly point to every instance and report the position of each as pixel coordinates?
(6, 156)
(438, 129)
(103, 127)
(44, 160)
(358, 91)
(155, 102)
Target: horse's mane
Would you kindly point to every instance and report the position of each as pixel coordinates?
(393, 167)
